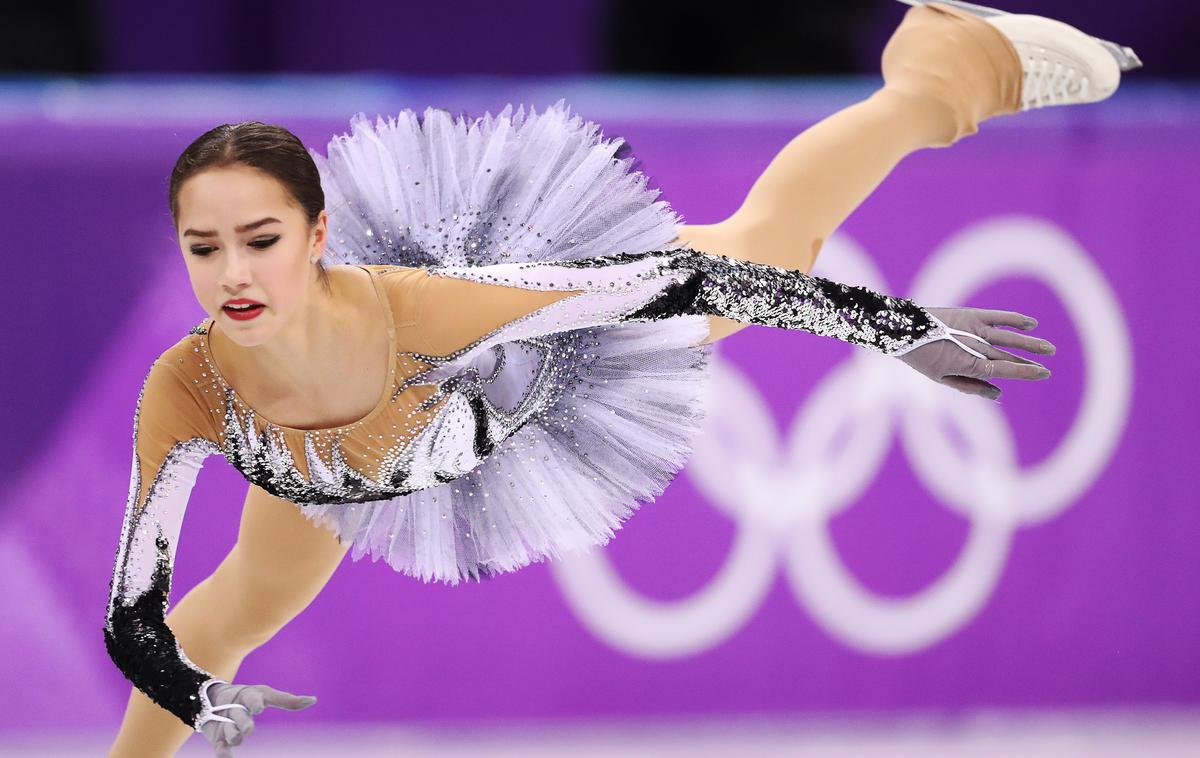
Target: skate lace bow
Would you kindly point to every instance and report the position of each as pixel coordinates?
(1051, 87)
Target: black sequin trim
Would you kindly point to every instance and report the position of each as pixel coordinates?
(145, 650)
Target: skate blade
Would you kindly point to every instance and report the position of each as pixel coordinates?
(1127, 60)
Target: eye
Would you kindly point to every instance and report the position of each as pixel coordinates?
(263, 244)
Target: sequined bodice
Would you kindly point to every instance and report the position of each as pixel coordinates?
(397, 448)
(364, 460)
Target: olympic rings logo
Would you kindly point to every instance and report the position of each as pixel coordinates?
(782, 498)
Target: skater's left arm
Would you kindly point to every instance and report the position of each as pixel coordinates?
(731, 237)
(465, 309)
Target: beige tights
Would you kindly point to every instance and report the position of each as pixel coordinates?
(944, 71)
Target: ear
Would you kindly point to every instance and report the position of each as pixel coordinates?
(319, 235)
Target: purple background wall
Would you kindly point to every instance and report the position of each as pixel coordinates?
(1036, 552)
(544, 37)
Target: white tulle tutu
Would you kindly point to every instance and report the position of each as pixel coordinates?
(619, 430)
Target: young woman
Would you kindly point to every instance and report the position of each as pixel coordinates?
(509, 349)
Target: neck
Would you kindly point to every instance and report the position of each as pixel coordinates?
(286, 363)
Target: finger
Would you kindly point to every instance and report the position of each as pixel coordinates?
(245, 723)
(1003, 365)
(230, 732)
(287, 700)
(1021, 341)
(241, 717)
(971, 386)
(1009, 370)
(1007, 318)
(997, 354)
(222, 748)
(252, 698)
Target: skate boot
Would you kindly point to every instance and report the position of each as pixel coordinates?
(1060, 64)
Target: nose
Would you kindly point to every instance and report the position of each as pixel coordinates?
(235, 273)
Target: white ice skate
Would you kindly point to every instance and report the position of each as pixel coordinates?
(1061, 64)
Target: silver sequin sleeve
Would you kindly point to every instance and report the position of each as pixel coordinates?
(168, 452)
(656, 285)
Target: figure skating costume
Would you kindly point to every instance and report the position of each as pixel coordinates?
(509, 432)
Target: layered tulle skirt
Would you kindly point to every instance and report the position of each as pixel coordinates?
(627, 400)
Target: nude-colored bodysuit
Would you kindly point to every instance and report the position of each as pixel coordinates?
(186, 412)
(434, 424)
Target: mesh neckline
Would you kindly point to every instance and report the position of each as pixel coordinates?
(384, 398)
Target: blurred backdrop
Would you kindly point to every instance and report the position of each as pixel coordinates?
(817, 580)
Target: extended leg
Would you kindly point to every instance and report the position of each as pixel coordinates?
(278, 566)
(944, 71)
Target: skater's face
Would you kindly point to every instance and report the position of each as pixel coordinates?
(243, 236)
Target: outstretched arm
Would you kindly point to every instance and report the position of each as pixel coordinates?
(168, 452)
(463, 310)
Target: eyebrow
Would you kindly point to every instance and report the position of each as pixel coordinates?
(243, 228)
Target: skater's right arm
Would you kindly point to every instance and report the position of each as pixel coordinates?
(169, 447)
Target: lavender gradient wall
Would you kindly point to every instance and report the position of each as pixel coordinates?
(845, 539)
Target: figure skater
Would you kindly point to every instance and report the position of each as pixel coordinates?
(540, 327)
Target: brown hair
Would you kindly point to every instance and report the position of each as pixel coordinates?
(267, 147)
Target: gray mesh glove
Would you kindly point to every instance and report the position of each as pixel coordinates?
(967, 364)
(238, 702)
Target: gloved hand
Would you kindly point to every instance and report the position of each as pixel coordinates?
(967, 370)
(235, 723)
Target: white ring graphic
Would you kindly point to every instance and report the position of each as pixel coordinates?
(782, 496)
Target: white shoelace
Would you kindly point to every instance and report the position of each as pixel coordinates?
(1045, 87)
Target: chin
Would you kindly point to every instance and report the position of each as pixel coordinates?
(246, 334)
(245, 339)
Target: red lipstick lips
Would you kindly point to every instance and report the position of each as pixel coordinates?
(241, 309)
